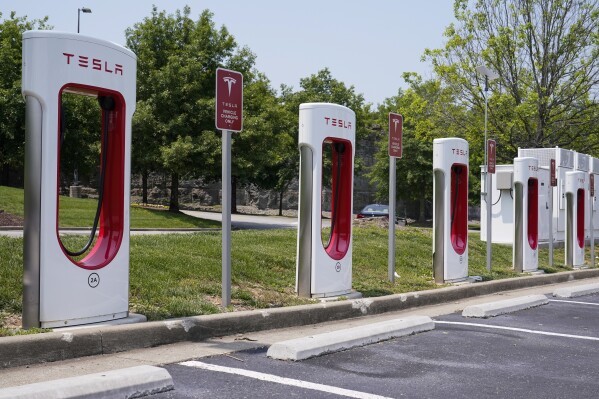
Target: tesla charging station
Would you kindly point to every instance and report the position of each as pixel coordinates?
(450, 209)
(324, 264)
(575, 216)
(526, 215)
(60, 287)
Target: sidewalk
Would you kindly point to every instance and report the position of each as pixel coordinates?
(102, 348)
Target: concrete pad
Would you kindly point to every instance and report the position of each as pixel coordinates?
(124, 383)
(335, 341)
(131, 319)
(580, 290)
(492, 309)
(352, 295)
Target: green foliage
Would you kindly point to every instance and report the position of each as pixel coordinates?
(186, 279)
(429, 112)
(80, 144)
(545, 52)
(12, 105)
(177, 62)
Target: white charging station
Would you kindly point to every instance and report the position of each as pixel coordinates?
(61, 289)
(564, 162)
(582, 162)
(526, 215)
(324, 264)
(450, 210)
(594, 205)
(576, 182)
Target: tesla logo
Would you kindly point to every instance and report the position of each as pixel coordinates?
(93, 280)
(93, 63)
(459, 151)
(337, 122)
(395, 123)
(230, 82)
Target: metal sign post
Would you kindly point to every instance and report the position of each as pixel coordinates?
(395, 151)
(491, 157)
(552, 183)
(229, 118)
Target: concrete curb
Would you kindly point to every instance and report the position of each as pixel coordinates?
(335, 341)
(493, 309)
(571, 292)
(133, 382)
(38, 348)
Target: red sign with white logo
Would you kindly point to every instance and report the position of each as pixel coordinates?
(491, 155)
(592, 184)
(395, 135)
(229, 100)
(552, 177)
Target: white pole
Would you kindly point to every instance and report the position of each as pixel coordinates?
(391, 260)
(226, 218)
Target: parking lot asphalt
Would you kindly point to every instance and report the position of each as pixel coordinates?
(549, 351)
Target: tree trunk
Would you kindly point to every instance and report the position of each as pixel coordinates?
(422, 213)
(4, 176)
(174, 201)
(233, 195)
(281, 202)
(144, 187)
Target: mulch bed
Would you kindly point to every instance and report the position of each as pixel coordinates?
(6, 219)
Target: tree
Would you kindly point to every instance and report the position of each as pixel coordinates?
(12, 105)
(423, 106)
(318, 87)
(262, 152)
(546, 53)
(81, 138)
(145, 152)
(177, 61)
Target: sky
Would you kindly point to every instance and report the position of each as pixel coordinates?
(364, 43)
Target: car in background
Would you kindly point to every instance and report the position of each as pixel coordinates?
(374, 211)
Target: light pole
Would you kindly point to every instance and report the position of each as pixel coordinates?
(489, 76)
(79, 11)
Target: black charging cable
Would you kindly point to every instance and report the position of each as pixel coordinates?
(107, 104)
(458, 171)
(339, 149)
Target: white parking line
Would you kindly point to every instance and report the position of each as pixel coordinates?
(577, 302)
(282, 380)
(525, 330)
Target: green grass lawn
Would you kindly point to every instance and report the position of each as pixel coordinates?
(180, 275)
(80, 212)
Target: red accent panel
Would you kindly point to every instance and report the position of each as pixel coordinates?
(341, 236)
(112, 214)
(580, 217)
(533, 213)
(459, 207)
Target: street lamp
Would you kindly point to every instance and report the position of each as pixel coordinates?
(79, 11)
(489, 76)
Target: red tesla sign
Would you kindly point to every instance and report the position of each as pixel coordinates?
(491, 155)
(395, 135)
(229, 100)
(552, 177)
(592, 184)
